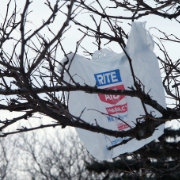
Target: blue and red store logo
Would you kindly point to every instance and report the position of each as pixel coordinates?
(107, 78)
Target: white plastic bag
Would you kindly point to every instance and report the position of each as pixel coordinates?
(108, 69)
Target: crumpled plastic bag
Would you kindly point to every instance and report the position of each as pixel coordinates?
(110, 70)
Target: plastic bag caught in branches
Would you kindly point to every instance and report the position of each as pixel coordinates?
(110, 70)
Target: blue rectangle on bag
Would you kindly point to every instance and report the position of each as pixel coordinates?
(108, 77)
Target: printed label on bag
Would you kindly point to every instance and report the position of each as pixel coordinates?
(108, 77)
(122, 126)
(112, 99)
(117, 109)
(117, 117)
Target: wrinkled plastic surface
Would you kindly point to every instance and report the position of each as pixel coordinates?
(108, 69)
